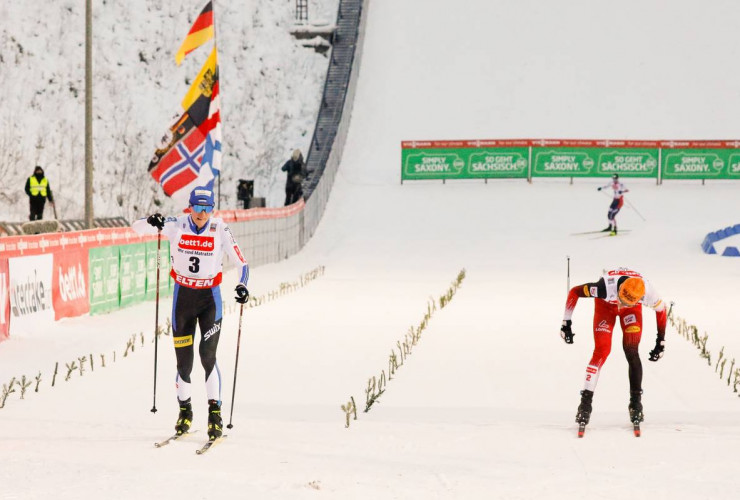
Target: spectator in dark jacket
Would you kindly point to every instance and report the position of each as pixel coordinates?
(296, 169)
(38, 190)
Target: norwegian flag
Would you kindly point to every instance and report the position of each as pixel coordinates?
(190, 152)
(180, 166)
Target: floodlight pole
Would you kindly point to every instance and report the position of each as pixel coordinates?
(88, 117)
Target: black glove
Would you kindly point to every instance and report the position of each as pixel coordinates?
(242, 294)
(566, 333)
(598, 188)
(657, 353)
(156, 220)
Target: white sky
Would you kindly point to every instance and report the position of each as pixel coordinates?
(484, 406)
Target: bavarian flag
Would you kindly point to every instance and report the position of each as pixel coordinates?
(200, 33)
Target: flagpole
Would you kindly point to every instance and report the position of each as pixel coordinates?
(215, 46)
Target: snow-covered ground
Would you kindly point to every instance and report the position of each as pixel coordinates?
(484, 405)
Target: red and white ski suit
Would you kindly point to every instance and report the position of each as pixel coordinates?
(617, 202)
(606, 311)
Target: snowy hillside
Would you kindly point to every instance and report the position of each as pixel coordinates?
(270, 88)
(484, 406)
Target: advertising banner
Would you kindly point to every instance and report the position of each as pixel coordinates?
(70, 284)
(30, 289)
(151, 269)
(490, 158)
(103, 289)
(36, 244)
(701, 164)
(4, 300)
(594, 162)
(132, 273)
(464, 163)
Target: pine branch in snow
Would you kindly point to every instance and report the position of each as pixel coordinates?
(8, 389)
(70, 368)
(24, 384)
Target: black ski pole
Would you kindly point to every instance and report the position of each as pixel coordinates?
(156, 322)
(236, 365)
(568, 285)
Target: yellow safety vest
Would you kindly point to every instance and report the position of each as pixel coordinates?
(38, 188)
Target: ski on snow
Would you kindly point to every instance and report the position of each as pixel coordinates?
(602, 232)
(174, 437)
(635, 429)
(588, 232)
(608, 235)
(209, 444)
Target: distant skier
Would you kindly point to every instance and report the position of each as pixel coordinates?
(197, 247)
(619, 294)
(617, 202)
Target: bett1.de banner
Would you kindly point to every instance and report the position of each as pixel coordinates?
(527, 158)
(47, 277)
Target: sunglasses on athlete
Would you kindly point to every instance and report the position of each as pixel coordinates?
(202, 208)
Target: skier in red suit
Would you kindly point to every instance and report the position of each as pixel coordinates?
(619, 294)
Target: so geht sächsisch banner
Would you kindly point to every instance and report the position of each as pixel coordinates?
(476, 159)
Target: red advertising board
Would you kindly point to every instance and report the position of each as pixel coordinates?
(38, 244)
(69, 281)
(4, 300)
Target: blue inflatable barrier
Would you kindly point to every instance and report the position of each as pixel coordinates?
(731, 252)
(707, 245)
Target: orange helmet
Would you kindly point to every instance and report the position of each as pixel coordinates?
(631, 291)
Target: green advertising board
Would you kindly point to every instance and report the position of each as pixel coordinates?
(132, 273)
(464, 163)
(151, 269)
(529, 158)
(594, 162)
(103, 267)
(701, 164)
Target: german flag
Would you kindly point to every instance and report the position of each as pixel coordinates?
(200, 33)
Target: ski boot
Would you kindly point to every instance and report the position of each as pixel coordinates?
(613, 231)
(607, 229)
(635, 407)
(214, 420)
(185, 418)
(584, 409)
